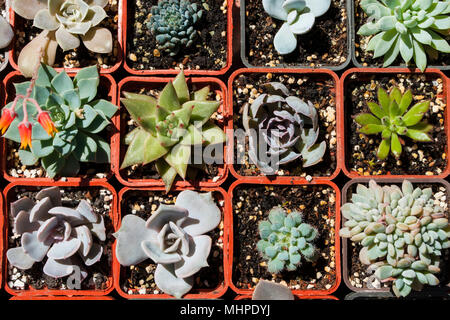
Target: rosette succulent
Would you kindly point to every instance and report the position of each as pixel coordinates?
(410, 28)
(63, 23)
(60, 121)
(299, 17)
(174, 238)
(6, 33)
(67, 238)
(169, 127)
(172, 22)
(402, 231)
(392, 118)
(285, 239)
(289, 126)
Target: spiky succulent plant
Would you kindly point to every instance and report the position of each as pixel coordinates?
(406, 27)
(402, 232)
(169, 127)
(285, 239)
(68, 238)
(299, 17)
(6, 33)
(289, 126)
(174, 238)
(60, 122)
(392, 119)
(173, 24)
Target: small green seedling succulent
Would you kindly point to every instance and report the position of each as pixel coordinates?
(406, 27)
(299, 17)
(392, 118)
(285, 239)
(169, 127)
(403, 233)
(173, 24)
(59, 122)
(6, 33)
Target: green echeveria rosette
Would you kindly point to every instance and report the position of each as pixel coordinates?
(412, 29)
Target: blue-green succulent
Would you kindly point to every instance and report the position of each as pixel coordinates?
(285, 239)
(173, 24)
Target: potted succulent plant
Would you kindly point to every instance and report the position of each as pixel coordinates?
(401, 33)
(164, 36)
(69, 34)
(172, 245)
(395, 123)
(295, 112)
(62, 129)
(59, 239)
(6, 33)
(399, 235)
(296, 33)
(165, 126)
(287, 233)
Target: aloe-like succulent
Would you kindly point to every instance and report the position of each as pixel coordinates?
(403, 232)
(169, 127)
(299, 17)
(285, 240)
(174, 238)
(406, 27)
(6, 33)
(289, 125)
(172, 22)
(268, 290)
(67, 238)
(63, 23)
(60, 121)
(392, 118)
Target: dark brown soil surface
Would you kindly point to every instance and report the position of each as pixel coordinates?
(417, 158)
(251, 205)
(320, 90)
(97, 279)
(325, 45)
(209, 51)
(139, 279)
(366, 59)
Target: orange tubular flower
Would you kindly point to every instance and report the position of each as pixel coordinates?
(8, 116)
(47, 123)
(25, 131)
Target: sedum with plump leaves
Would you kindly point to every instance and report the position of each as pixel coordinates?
(289, 125)
(285, 240)
(410, 28)
(67, 238)
(168, 128)
(403, 233)
(173, 24)
(299, 17)
(391, 118)
(174, 238)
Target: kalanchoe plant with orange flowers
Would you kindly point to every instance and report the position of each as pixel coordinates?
(57, 120)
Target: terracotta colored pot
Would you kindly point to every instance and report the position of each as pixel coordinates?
(346, 245)
(106, 81)
(118, 150)
(319, 74)
(17, 23)
(297, 297)
(8, 193)
(202, 293)
(186, 71)
(337, 223)
(345, 122)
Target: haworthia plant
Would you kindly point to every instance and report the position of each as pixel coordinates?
(169, 126)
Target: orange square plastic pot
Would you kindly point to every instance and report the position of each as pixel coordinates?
(336, 215)
(202, 293)
(118, 150)
(8, 193)
(107, 82)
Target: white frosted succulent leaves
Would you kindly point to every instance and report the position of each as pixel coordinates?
(402, 232)
(67, 237)
(6, 33)
(174, 238)
(299, 17)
